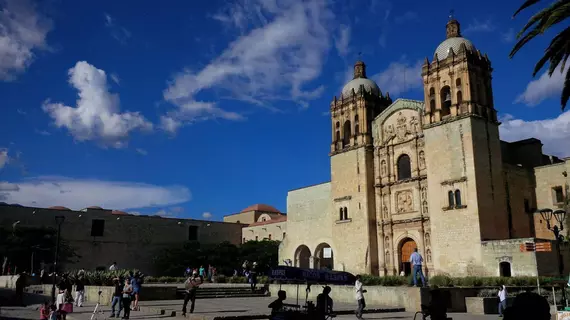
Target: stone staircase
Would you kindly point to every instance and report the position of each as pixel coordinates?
(224, 292)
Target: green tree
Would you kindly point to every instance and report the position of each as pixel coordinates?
(559, 49)
(20, 244)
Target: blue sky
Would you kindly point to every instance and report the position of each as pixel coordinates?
(202, 108)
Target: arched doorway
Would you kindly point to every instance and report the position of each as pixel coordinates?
(505, 269)
(324, 258)
(406, 249)
(303, 257)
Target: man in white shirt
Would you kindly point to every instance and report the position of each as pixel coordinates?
(359, 297)
(502, 299)
(416, 261)
(113, 267)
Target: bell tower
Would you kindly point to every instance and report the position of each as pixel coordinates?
(464, 166)
(352, 210)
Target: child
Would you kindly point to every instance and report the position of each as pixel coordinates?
(44, 311)
(53, 313)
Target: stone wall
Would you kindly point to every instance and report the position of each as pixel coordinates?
(520, 189)
(308, 222)
(130, 240)
(547, 178)
(271, 231)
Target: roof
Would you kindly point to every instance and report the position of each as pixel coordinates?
(119, 212)
(271, 221)
(94, 207)
(261, 207)
(454, 43)
(369, 86)
(59, 208)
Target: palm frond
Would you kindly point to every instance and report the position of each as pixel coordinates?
(525, 5)
(565, 91)
(541, 15)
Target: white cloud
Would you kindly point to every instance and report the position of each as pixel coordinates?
(508, 36)
(554, 133)
(542, 88)
(43, 132)
(118, 32)
(207, 215)
(80, 193)
(97, 115)
(399, 77)
(480, 26)
(23, 32)
(280, 54)
(141, 151)
(3, 157)
(115, 78)
(343, 40)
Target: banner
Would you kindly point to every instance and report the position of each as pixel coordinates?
(284, 273)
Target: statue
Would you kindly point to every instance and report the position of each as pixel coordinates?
(414, 123)
(427, 239)
(383, 168)
(422, 159)
(428, 256)
(385, 210)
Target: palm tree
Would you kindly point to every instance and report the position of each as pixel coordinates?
(559, 48)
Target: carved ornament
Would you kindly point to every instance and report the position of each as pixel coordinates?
(404, 201)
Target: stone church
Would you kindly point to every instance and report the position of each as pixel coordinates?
(432, 175)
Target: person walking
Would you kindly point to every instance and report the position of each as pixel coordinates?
(79, 292)
(192, 284)
(126, 300)
(502, 299)
(359, 297)
(416, 261)
(113, 267)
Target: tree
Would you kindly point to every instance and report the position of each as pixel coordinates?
(24, 245)
(559, 48)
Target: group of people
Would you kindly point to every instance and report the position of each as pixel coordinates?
(126, 295)
(205, 274)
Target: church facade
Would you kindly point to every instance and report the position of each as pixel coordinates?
(430, 174)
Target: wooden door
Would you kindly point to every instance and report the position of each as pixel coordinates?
(406, 250)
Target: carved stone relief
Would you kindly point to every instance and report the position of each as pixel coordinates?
(404, 201)
(401, 127)
(385, 212)
(422, 159)
(427, 239)
(387, 242)
(425, 207)
(388, 133)
(383, 168)
(428, 255)
(421, 143)
(415, 124)
(387, 257)
(423, 193)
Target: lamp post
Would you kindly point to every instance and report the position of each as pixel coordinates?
(59, 221)
(559, 216)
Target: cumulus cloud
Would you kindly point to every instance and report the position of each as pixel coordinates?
(343, 40)
(97, 115)
(554, 133)
(23, 32)
(207, 215)
(400, 77)
(80, 193)
(279, 52)
(542, 88)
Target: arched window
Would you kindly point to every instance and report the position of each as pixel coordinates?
(459, 97)
(404, 167)
(340, 214)
(445, 97)
(450, 199)
(345, 213)
(346, 133)
(458, 83)
(457, 198)
(432, 99)
(356, 126)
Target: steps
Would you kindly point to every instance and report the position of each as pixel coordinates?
(223, 292)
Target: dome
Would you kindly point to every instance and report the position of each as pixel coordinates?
(454, 43)
(59, 208)
(261, 207)
(369, 85)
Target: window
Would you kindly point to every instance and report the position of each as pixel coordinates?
(404, 167)
(192, 233)
(558, 194)
(457, 198)
(345, 213)
(505, 269)
(459, 97)
(97, 227)
(445, 97)
(341, 214)
(450, 199)
(346, 134)
(458, 83)
(432, 99)
(243, 241)
(284, 234)
(256, 238)
(270, 236)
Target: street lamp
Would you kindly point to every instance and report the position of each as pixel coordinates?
(59, 221)
(560, 217)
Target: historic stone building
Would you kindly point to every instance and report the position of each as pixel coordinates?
(264, 222)
(430, 174)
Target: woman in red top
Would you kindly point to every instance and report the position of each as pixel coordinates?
(44, 311)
